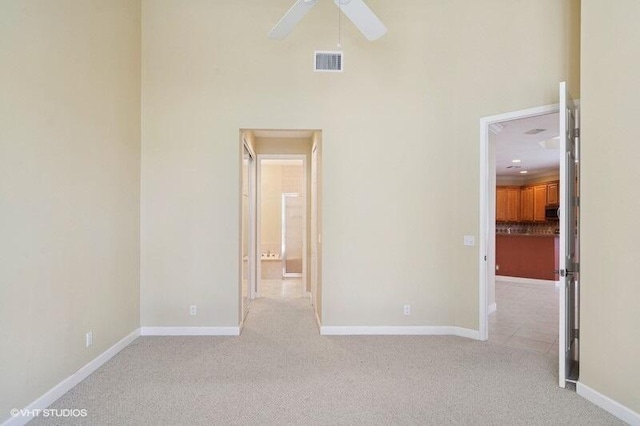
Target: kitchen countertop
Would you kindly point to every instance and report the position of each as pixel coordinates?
(515, 234)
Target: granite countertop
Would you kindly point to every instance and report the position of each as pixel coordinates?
(516, 234)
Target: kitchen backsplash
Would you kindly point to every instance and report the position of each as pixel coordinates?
(546, 228)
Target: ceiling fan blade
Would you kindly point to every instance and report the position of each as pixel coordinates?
(363, 18)
(291, 18)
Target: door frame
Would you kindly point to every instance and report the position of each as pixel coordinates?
(251, 266)
(314, 226)
(303, 194)
(487, 263)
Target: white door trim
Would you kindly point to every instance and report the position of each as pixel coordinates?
(487, 223)
(314, 227)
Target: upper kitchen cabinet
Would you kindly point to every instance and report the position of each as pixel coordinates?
(553, 193)
(513, 204)
(507, 204)
(526, 203)
(501, 204)
(539, 202)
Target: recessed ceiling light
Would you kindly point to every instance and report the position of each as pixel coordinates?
(523, 172)
(516, 161)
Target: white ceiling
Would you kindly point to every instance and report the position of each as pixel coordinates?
(281, 162)
(513, 143)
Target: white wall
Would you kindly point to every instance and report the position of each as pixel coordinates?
(400, 144)
(69, 187)
(610, 299)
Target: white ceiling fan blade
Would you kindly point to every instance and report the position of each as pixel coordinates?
(363, 18)
(291, 18)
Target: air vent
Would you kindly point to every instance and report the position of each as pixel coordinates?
(327, 61)
(534, 131)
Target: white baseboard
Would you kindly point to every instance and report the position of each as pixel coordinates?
(190, 331)
(520, 280)
(620, 411)
(67, 384)
(399, 331)
(492, 308)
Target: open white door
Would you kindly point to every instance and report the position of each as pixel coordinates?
(569, 318)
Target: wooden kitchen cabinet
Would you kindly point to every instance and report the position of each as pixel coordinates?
(507, 204)
(513, 204)
(553, 193)
(501, 204)
(526, 204)
(539, 202)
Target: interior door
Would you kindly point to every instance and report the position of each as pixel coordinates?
(569, 321)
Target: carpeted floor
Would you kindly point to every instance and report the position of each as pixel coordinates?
(281, 371)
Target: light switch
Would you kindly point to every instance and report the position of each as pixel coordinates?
(469, 240)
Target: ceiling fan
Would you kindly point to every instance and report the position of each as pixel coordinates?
(356, 10)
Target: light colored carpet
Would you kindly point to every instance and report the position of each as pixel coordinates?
(281, 371)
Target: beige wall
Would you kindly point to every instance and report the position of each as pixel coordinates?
(400, 145)
(69, 187)
(270, 208)
(610, 316)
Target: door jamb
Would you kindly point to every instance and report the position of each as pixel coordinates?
(485, 193)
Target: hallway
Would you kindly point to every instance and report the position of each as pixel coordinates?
(285, 287)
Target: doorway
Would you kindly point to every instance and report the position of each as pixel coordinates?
(523, 298)
(503, 221)
(282, 225)
(287, 220)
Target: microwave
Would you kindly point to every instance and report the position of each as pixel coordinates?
(551, 212)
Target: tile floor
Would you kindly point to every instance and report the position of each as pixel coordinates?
(526, 318)
(286, 287)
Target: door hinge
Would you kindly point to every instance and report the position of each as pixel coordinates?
(577, 132)
(575, 333)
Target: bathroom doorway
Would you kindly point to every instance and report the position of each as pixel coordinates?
(282, 225)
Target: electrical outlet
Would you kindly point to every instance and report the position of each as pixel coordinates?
(193, 310)
(407, 309)
(89, 338)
